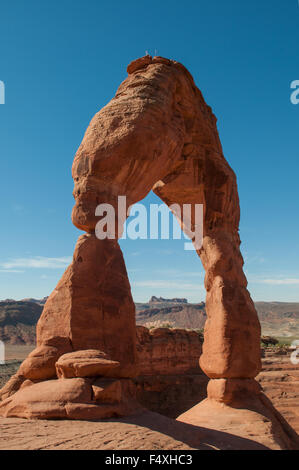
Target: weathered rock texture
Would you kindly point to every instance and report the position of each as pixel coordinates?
(156, 133)
(163, 351)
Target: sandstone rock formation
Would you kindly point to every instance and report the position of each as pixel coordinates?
(72, 398)
(167, 352)
(156, 133)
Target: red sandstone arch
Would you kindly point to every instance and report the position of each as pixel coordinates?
(156, 133)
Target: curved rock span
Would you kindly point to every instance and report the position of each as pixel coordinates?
(158, 134)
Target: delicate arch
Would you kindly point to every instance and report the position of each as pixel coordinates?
(156, 133)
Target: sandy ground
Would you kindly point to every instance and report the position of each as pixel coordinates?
(141, 432)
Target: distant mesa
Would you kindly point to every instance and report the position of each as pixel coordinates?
(18, 321)
(28, 299)
(155, 299)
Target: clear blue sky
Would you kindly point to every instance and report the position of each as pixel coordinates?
(62, 61)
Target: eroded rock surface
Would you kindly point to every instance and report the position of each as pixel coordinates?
(86, 363)
(163, 351)
(72, 398)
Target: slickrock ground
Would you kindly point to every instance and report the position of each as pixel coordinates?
(147, 431)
